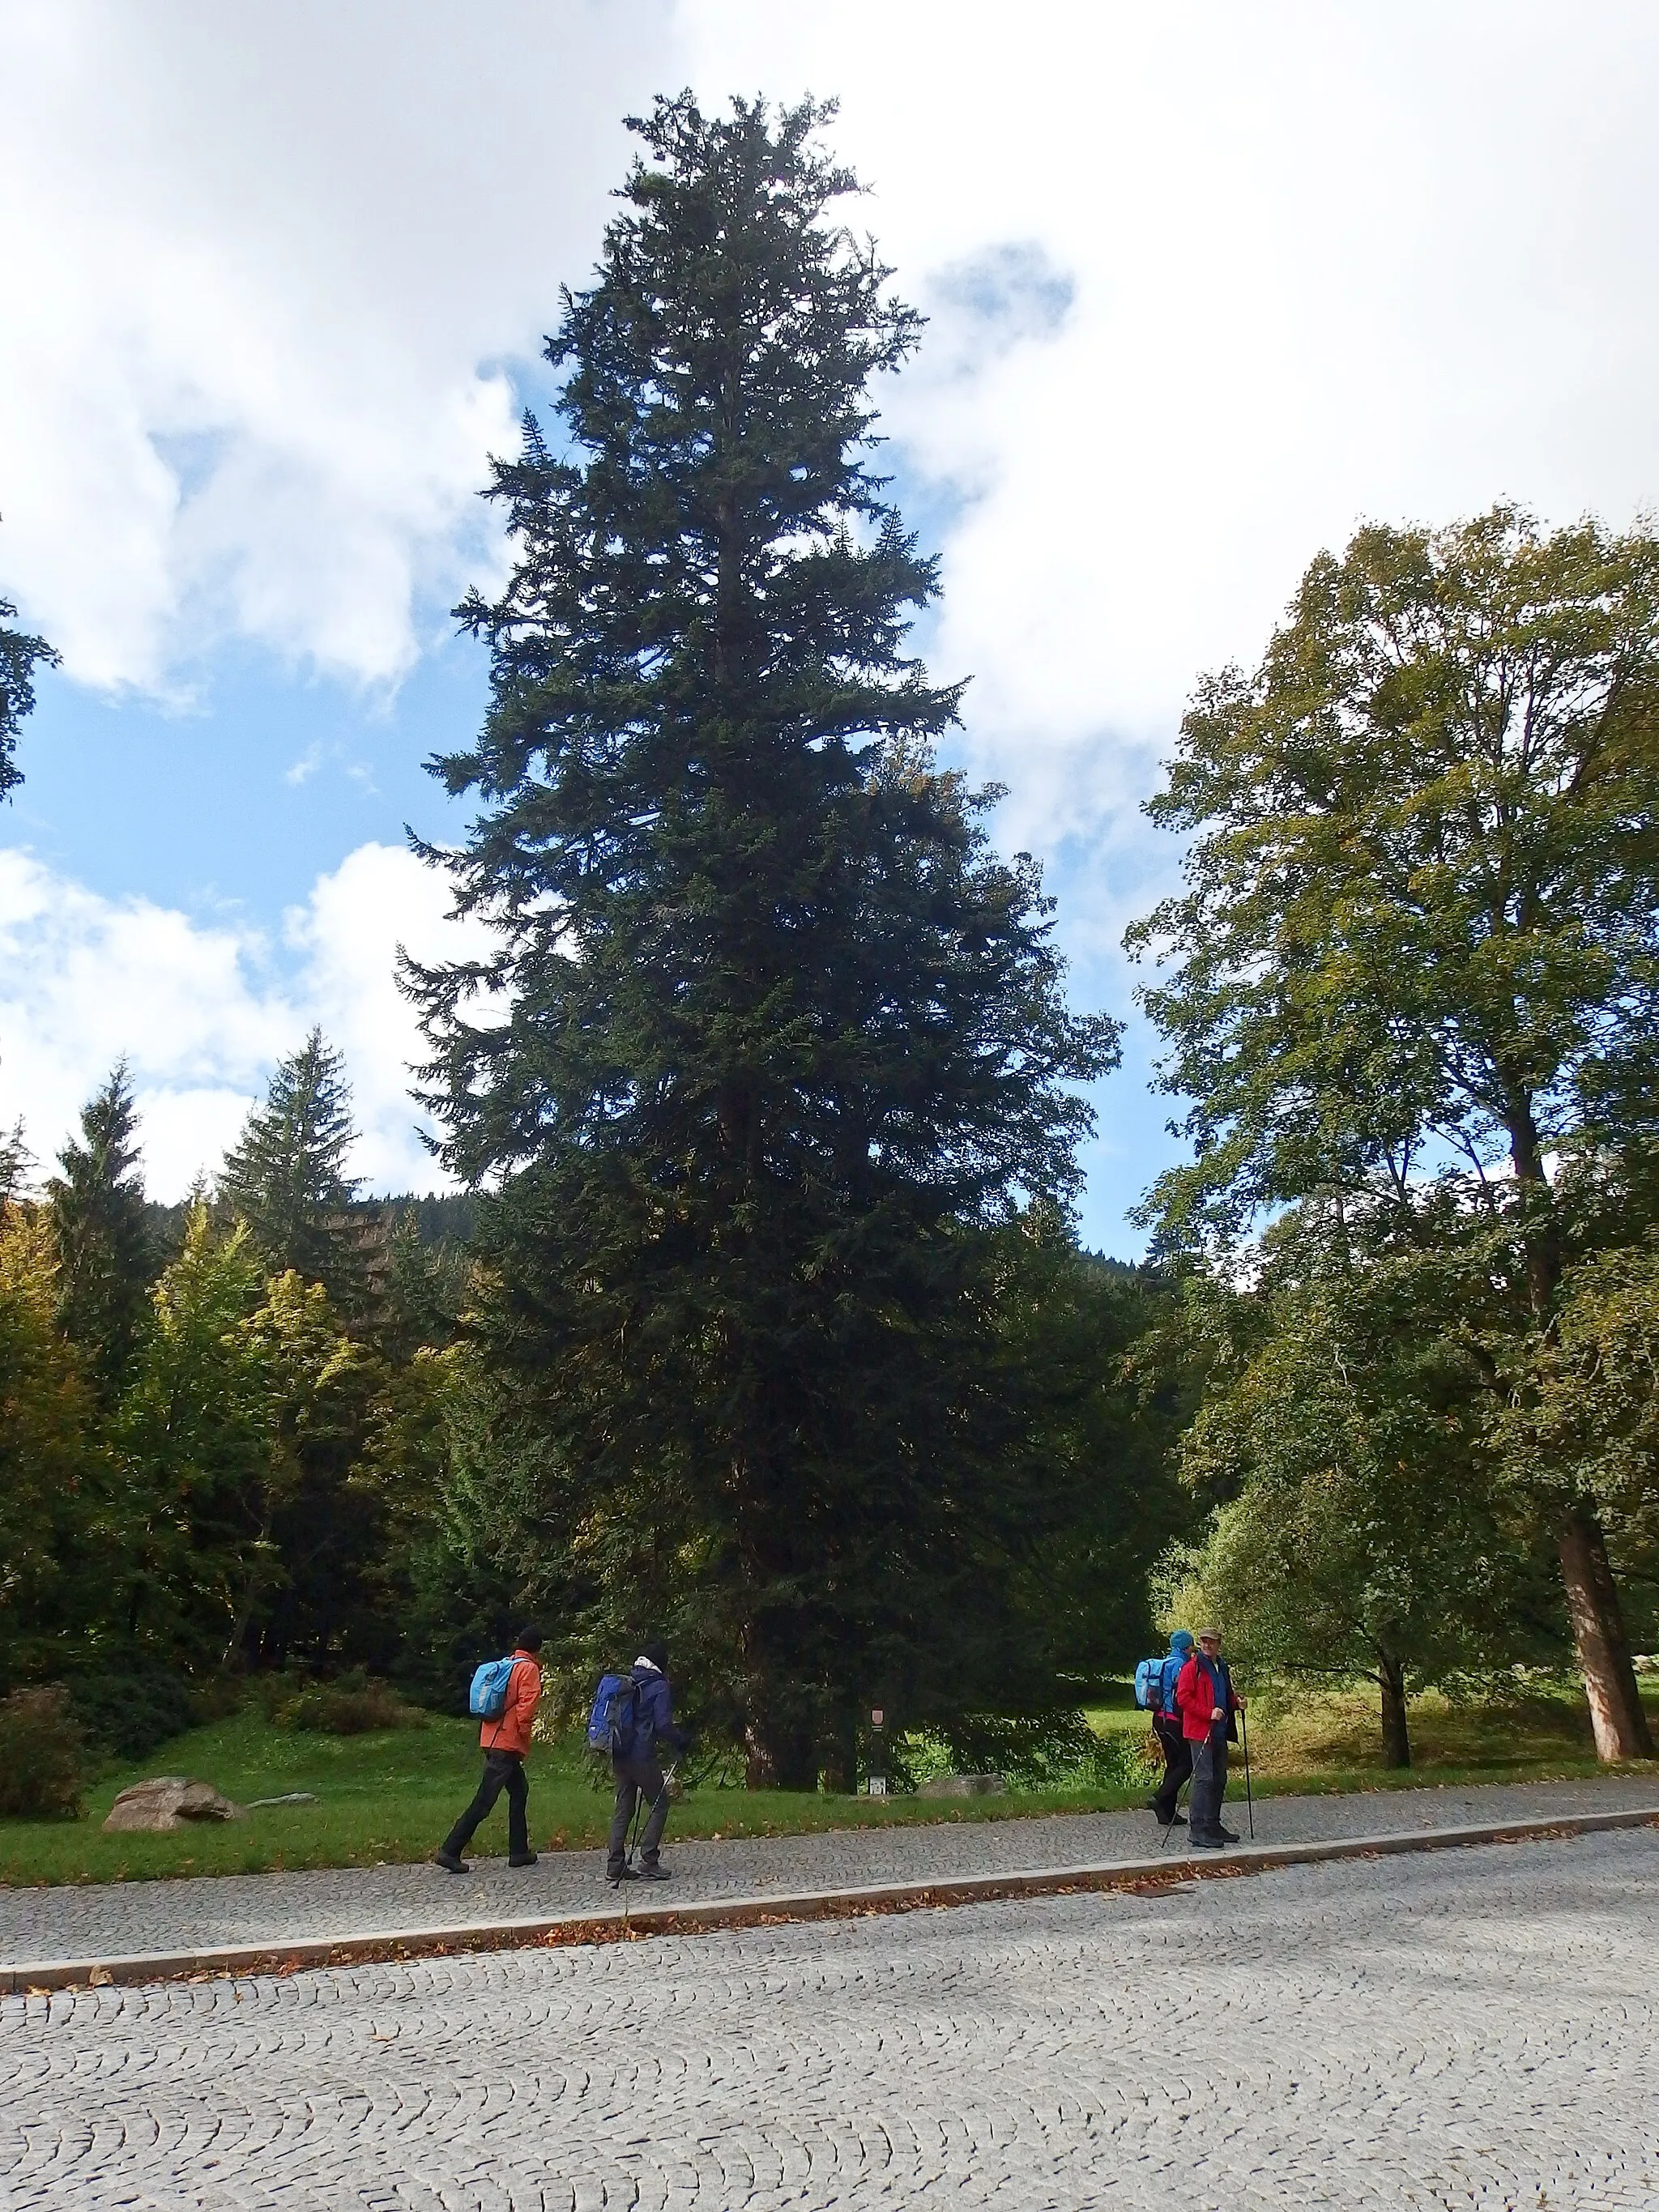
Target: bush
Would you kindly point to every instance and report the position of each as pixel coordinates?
(1126, 1760)
(128, 1713)
(40, 1757)
(352, 1706)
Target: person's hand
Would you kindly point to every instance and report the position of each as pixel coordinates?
(1241, 1703)
(1216, 1713)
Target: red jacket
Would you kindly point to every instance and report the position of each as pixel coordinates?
(524, 1687)
(1196, 1697)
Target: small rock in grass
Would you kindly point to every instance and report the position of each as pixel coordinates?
(289, 1797)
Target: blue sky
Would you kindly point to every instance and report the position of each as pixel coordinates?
(1207, 287)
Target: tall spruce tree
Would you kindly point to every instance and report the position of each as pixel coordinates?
(782, 1035)
(287, 1178)
(19, 656)
(105, 1257)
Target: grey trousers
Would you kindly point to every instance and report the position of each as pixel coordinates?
(634, 1776)
(1209, 1787)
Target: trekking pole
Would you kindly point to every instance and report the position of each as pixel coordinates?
(639, 1807)
(1249, 1795)
(1163, 1842)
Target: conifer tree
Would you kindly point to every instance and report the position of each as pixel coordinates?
(287, 1178)
(15, 1161)
(782, 1036)
(106, 1259)
(19, 656)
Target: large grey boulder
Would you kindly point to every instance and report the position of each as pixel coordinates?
(168, 1800)
(964, 1785)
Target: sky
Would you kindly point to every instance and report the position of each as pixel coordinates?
(1207, 284)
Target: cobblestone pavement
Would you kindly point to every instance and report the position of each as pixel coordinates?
(1479, 2029)
(99, 1922)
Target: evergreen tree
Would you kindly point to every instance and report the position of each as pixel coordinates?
(50, 1497)
(287, 1178)
(782, 1037)
(19, 656)
(15, 1161)
(105, 1261)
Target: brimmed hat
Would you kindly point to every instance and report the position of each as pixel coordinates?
(1209, 1636)
(1182, 1640)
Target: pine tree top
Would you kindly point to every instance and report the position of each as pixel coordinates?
(286, 1177)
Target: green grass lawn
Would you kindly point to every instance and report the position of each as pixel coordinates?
(392, 1797)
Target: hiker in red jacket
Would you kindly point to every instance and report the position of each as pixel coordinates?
(1204, 1700)
(504, 1742)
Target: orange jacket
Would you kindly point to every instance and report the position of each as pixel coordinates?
(524, 1688)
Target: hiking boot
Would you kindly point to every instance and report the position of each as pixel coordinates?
(450, 1862)
(522, 1858)
(653, 1873)
(1175, 1820)
(1207, 1842)
(1227, 1835)
(620, 1873)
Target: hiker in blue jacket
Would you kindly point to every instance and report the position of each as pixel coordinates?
(1171, 1741)
(638, 1772)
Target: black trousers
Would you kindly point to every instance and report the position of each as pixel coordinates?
(1178, 1765)
(502, 1770)
(1209, 1786)
(635, 1776)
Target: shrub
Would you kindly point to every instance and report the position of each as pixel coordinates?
(40, 1756)
(128, 1713)
(1126, 1760)
(1037, 1751)
(351, 1706)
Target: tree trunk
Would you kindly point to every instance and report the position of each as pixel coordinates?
(1397, 1735)
(838, 1756)
(1598, 1634)
(759, 1767)
(779, 1757)
(1598, 1619)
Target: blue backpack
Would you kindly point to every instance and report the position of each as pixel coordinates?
(487, 1696)
(611, 1723)
(1149, 1684)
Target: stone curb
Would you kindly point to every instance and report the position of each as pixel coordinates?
(626, 1923)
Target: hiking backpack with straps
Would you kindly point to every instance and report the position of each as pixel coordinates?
(611, 1723)
(487, 1696)
(1149, 1683)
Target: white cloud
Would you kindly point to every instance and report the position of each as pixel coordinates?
(1326, 263)
(1209, 283)
(202, 1011)
(259, 265)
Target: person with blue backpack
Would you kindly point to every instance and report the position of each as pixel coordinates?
(504, 1694)
(632, 1715)
(1155, 1688)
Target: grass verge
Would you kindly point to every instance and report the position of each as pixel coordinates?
(390, 1797)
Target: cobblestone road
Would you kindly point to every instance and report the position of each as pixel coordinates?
(99, 1921)
(1477, 2029)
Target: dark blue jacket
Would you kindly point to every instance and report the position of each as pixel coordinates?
(654, 1713)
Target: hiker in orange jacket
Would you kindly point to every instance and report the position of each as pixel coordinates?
(504, 1742)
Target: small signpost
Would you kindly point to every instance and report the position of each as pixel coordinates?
(878, 1756)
